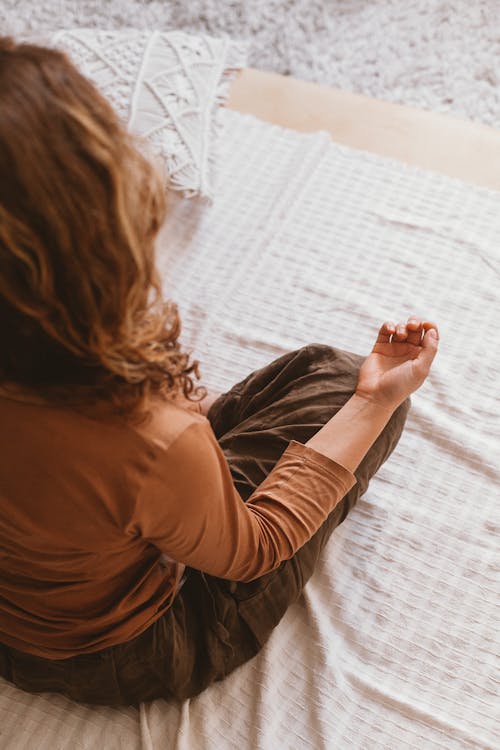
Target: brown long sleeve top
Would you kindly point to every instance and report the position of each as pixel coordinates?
(98, 520)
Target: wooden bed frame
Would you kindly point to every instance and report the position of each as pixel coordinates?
(455, 147)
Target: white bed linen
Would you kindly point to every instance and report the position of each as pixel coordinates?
(395, 641)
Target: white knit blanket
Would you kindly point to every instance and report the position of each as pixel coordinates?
(394, 644)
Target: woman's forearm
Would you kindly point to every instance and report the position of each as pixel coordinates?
(350, 433)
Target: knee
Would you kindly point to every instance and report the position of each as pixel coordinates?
(315, 352)
(316, 348)
(341, 363)
(320, 352)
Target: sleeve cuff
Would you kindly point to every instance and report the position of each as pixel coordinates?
(332, 467)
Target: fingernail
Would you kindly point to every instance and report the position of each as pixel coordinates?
(433, 333)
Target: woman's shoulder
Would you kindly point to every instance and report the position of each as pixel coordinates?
(164, 422)
(168, 420)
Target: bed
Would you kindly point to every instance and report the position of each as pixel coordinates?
(335, 212)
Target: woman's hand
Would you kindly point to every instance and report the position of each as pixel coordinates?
(396, 368)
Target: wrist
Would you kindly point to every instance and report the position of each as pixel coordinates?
(379, 406)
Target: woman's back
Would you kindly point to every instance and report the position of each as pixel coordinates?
(75, 577)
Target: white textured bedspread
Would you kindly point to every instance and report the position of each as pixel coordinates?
(394, 644)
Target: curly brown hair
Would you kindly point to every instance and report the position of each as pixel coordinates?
(80, 208)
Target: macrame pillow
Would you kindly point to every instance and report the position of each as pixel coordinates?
(165, 86)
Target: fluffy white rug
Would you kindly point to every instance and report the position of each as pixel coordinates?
(435, 54)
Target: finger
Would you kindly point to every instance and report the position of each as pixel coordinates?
(429, 324)
(415, 327)
(427, 353)
(401, 332)
(385, 331)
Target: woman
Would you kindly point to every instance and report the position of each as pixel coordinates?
(151, 536)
